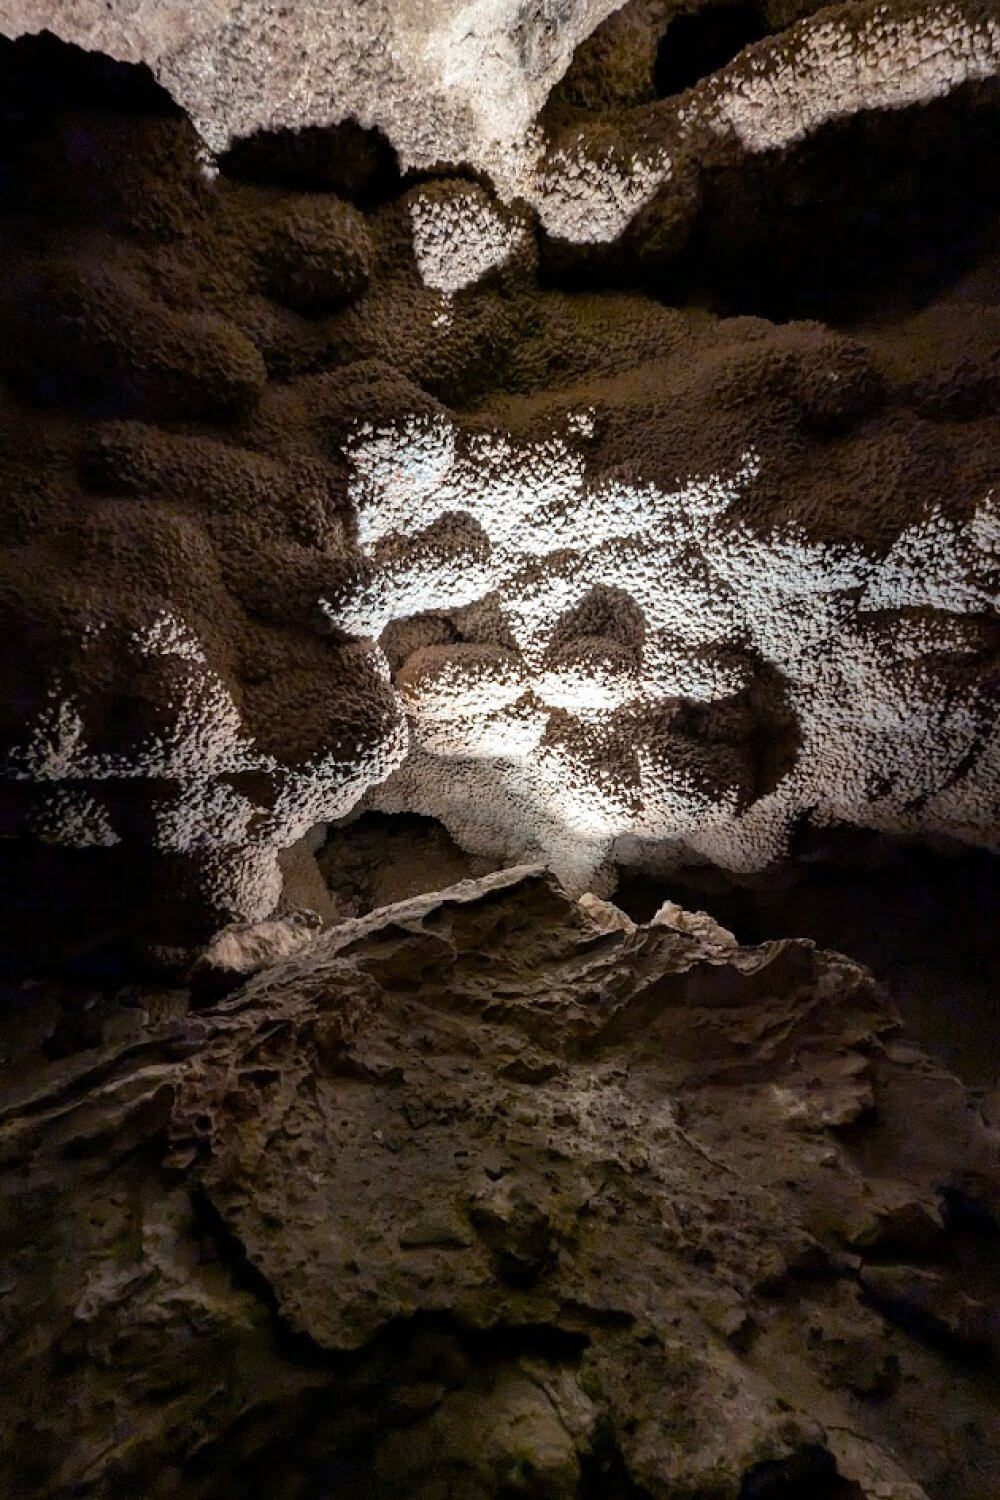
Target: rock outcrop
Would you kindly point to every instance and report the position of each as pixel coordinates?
(328, 486)
(485, 1195)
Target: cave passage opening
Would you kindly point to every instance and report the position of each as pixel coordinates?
(696, 45)
(870, 218)
(922, 920)
(43, 76)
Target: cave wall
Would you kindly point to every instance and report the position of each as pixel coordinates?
(326, 483)
(436, 437)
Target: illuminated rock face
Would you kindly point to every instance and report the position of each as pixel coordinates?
(189, 776)
(548, 730)
(446, 81)
(327, 485)
(465, 82)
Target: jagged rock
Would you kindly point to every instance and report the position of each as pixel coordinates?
(605, 914)
(476, 1195)
(242, 949)
(698, 923)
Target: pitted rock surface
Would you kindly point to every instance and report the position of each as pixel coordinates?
(481, 1195)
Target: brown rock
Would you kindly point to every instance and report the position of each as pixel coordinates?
(615, 1269)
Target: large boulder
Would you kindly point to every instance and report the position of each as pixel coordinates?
(483, 1194)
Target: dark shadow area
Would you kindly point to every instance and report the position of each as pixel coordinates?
(379, 858)
(348, 159)
(41, 75)
(924, 923)
(809, 1474)
(874, 215)
(695, 46)
(871, 218)
(88, 917)
(320, 1440)
(86, 140)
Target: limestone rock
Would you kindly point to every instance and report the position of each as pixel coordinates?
(698, 923)
(472, 1195)
(245, 948)
(605, 915)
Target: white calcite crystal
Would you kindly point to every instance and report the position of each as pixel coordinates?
(535, 745)
(590, 200)
(193, 770)
(459, 236)
(832, 68)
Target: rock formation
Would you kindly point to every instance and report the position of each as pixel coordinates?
(483, 1195)
(548, 446)
(327, 486)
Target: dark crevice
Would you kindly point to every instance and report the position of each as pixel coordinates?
(876, 214)
(974, 1353)
(347, 159)
(218, 1242)
(964, 1212)
(809, 1474)
(42, 76)
(923, 921)
(870, 218)
(695, 46)
(380, 858)
(603, 1471)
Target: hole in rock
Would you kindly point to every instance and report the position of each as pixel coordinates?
(810, 1472)
(695, 46)
(63, 915)
(871, 216)
(41, 76)
(348, 159)
(379, 858)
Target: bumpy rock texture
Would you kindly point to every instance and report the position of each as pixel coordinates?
(445, 79)
(462, 82)
(323, 482)
(487, 1195)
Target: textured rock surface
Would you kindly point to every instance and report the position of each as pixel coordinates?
(239, 951)
(465, 82)
(924, 925)
(377, 859)
(320, 479)
(483, 1196)
(446, 80)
